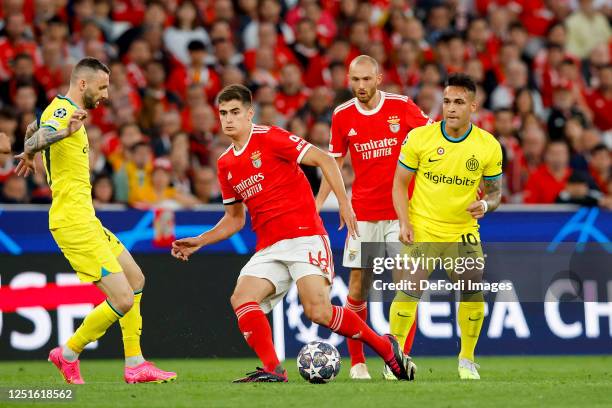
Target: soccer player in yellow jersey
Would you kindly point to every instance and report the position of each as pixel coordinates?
(449, 159)
(94, 252)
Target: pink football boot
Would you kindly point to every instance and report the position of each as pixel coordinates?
(69, 370)
(147, 373)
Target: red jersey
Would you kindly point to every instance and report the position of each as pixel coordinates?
(374, 138)
(265, 175)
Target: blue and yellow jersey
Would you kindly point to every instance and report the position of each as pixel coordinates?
(67, 166)
(448, 173)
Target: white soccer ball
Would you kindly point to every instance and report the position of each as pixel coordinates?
(318, 362)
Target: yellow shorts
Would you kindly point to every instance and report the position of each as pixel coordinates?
(446, 248)
(91, 249)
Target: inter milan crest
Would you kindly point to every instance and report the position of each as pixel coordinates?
(60, 113)
(472, 164)
(393, 122)
(256, 159)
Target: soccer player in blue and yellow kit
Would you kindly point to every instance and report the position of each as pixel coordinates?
(93, 251)
(449, 159)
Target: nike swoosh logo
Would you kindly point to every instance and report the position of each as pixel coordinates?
(402, 315)
(431, 161)
(472, 320)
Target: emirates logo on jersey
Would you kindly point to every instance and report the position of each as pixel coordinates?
(394, 123)
(256, 159)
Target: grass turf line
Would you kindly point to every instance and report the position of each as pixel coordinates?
(507, 382)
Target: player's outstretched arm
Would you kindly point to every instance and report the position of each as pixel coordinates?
(232, 221)
(331, 172)
(491, 199)
(26, 162)
(325, 188)
(46, 136)
(401, 181)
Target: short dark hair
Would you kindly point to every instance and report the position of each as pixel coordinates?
(600, 147)
(235, 92)
(89, 63)
(462, 80)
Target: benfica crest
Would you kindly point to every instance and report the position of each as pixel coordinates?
(256, 159)
(393, 122)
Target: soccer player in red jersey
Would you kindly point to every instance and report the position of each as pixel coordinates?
(260, 170)
(372, 126)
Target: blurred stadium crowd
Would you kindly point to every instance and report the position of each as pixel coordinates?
(543, 69)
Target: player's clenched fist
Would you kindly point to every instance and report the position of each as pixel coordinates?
(477, 209)
(183, 248)
(76, 120)
(406, 236)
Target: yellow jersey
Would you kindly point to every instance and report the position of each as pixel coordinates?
(448, 173)
(67, 166)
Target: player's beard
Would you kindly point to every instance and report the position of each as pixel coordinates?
(369, 94)
(89, 101)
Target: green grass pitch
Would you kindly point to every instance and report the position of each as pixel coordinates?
(507, 382)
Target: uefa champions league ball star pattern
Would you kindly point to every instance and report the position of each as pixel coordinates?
(318, 362)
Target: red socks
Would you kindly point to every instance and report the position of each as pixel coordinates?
(257, 332)
(410, 338)
(348, 324)
(355, 347)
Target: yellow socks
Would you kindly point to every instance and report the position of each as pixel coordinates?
(131, 328)
(471, 317)
(402, 315)
(94, 326)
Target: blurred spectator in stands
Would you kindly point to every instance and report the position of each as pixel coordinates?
(506, 134)
(533, 143)
(318, 108)
(102, 190)
(138, 172)
(429, 99)
(483, 118)
(232, 75)
(338, 83)
(564, 107)
(188, 26)
(49, 74)
(599, 57)
(179, 159)
(196, 72)
(170, 126)
(308, 53)
(205, 186)
(9, 125)
(155, 76)
(137, 58)
(129, 135)
(97, 160)
(154, 16)
(291, 94)
(124, 98)
(600, 167)
(14, 190)
(268, 43)
(195, 97)
(224, 49)
(359, 39)
(268, 115)
(297, 127)
(269, 11)
(407, 72)
(516, 78)
(586, 28)
(551, 177)
(202, 134)
(438, 22)
(523, 106)
(15, 40)
(600, 98)
(23, 72)
(573, 133)
(25, 99)
(325, 25)
(158, 190)
(580, 190)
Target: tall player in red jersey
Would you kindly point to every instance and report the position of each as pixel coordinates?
(261, 170)
(372, 126)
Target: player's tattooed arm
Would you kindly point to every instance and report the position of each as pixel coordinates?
(31, 129)
(46, 136)
(493, 193)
